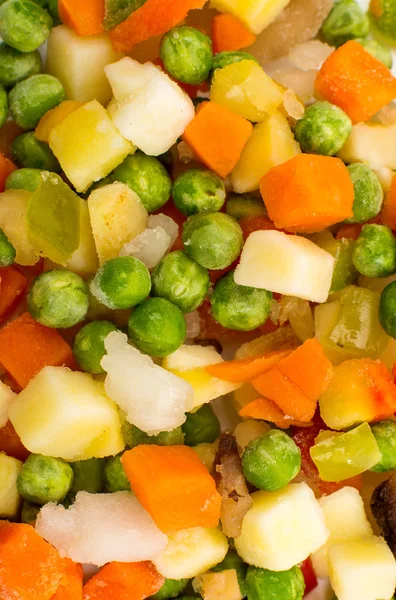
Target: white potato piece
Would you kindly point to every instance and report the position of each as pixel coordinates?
(372, 143)
(10, 499)
(6, 397)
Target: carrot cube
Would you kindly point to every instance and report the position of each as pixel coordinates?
(218, 136)
(86, 18)
(308, 193)
(355, 81)
(229, 33)
(266, 410)
(26, 347)
(124, 581)
(30, 568)
(6, 168)
(388, 212)
(12, 287)
(241, 371)
(173, 486)
(71, 585)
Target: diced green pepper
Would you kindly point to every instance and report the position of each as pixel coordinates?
(345, 272)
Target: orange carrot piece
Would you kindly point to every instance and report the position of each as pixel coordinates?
(30, 568)
(388, 212)
(85, 17)
(309, 368)
(308, 193)
(218, 136)
(287, 395)
(241, 371)
(355, 81)
(267, 410)
(173, 486)
(71, 585)
(26, 347)
(124, 581)
(155, 17)
(349, 232)
(11, 444)
(6, 168)
(12, 286)
(229, 33)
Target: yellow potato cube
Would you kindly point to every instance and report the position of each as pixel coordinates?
(88, 145)
(53, 117)
(10, 500)
(271, 144)
(255, 14)
(117, 216)
(84, 260)
(372, 143)
(216, 586)
(13, 209)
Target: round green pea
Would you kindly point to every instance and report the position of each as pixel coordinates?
(24, 25)
(16, 66)
(115, 478)
(29, 512)
(147, 177)
(379, 51)
(229, 57)
(88, 345)
(385, 436)
(214, 240)
(368, 193)
(374, 254)
(198, 190)
(383, 16)
(181, 280)
(346, 21)
(24, 179)
(157, 327)
(121, 282)
(88, 476)
(187, 54)
(239, 307)
(387, 309)
(4, 109)
(7, 250)
(134, 436)
(170, 589)
(234, 561)
(58, 298)
(44, 479)
(32, 98)
(262, 584)
(323, 129)
(28, 152)
(270, 462)
(201, 427)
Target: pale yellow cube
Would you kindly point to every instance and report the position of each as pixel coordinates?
(217, 586)
(372, 143)
(84, 260)
(255, 14)
(6, 397)
(10, 500)
(13, 209)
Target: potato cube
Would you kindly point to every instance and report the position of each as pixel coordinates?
(6, 397)
(10, 500)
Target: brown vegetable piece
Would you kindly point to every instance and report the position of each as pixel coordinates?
(231, 485)
(383, 506)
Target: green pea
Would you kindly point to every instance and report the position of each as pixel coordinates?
(30, 153)
(88, 476)
(275, 585)
(88, 345)
(383, 16)
(115, 478)
(24, 25)
(187, 54)
(198, 190)
(379, 51)
(324, 129)
(368, 193)
(181, 280)
(7, 250)
(385, 436)
(234, 561)
(32, 98)
(147, 177)
(157, 327)
(346, 21)
(117, 11)
(121, 282)
(29, 512)
(387, 309)
(201, 427)
(223, 59)
(58, 298)
(374, 254)
(44, 479)
(239, 206)
(16, 66)
(239, 307)
(24, 179)
(270, 462)
(4, 109)
(134, 436)
(214, 240)
(170, 589)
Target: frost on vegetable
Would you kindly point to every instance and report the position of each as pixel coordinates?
(150, 246)
(101, 528)
(154, 399)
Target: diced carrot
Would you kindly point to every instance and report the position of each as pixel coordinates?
(241, 371)
(309, 368)
(388, 212)
(267, 410)
(251, 224)
(355, 81)
(26, 347)
(6, 168)
(86, 18)
(12, 286)
(71, 585)
(308, 193)
(11, 444)
(124, 581)
(30, 568)
(8, 133)
(155, 17)
(349, 232)
(174, 487)
(217, 137)
(229, 33)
